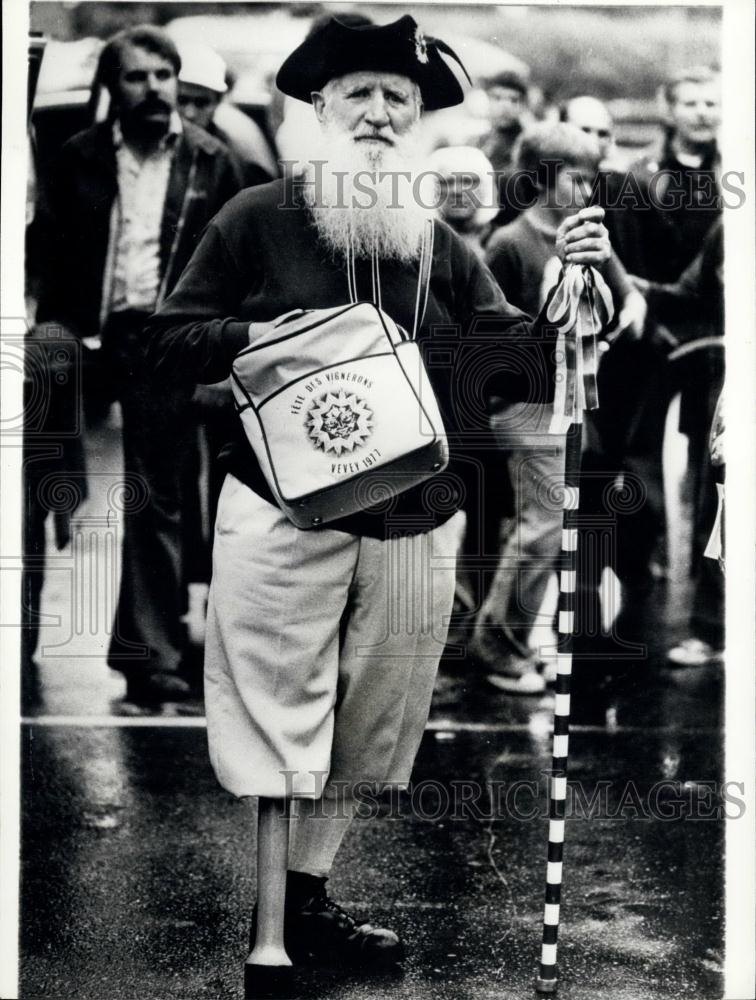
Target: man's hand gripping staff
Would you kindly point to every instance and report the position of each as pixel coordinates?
(580, 306)
(583, 238)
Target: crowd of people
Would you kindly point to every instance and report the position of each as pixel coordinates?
(175, 166)
(165, 233)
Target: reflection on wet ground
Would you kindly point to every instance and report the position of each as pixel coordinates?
(138, 872)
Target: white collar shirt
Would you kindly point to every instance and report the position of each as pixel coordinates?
(134, 250)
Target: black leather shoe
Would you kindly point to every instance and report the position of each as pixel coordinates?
(317, 930)
(154, 690)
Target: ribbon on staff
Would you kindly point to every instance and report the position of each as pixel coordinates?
(580, 307)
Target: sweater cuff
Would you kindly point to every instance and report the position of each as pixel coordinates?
(236, 335)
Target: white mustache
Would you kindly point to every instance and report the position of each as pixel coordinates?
(375, 136)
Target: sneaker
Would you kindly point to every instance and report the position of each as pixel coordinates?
(492, 653)
(530, 682)
(196, 614)
(503, 670)
(694, 653)
(318, 930)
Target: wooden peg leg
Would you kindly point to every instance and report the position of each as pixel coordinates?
(268, 969)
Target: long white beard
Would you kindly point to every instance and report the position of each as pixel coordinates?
(363, 197)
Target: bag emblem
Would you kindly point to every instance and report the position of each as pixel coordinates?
(339, 422)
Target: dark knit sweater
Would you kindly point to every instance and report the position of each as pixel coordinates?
(261, 257)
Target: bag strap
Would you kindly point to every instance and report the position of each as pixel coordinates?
(375, 276)
(351, 272)
(423, 277)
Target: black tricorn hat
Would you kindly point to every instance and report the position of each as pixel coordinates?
(400, 47)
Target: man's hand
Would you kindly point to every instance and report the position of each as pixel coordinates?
(54, 346)
(642, 284)
(583, 239)
(632, 317)
(211, 398)
(256, 330)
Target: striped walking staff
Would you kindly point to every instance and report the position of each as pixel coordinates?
(581, 306)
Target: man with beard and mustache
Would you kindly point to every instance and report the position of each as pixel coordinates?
(127, 203)
(322, 645)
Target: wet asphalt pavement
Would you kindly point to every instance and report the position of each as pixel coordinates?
(138, 871)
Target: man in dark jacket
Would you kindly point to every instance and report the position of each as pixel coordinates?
(681, 175)
(698, 297)
(658, 214)
(127, 204)
(687, 206)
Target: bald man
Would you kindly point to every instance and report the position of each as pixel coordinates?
(592, 117)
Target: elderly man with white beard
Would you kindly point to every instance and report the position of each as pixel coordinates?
(322, 645)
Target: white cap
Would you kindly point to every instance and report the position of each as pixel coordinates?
(202, 66)
(449, 160)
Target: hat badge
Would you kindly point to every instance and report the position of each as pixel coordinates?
(421, 46)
